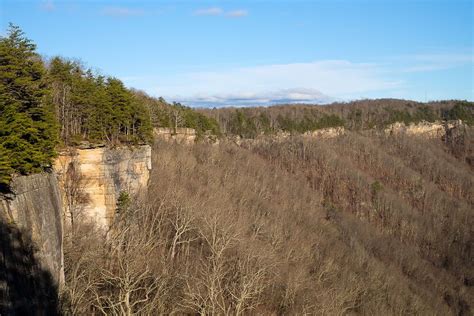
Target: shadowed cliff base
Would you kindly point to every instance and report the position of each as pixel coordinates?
(5, 189)
(25, 288)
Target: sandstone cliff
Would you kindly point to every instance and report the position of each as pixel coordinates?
(424, 129)
(182, 135)
(35, 207)
(31, 247)
(329, 132)
(102, 174)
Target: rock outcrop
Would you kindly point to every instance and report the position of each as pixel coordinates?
(182, 135)
(329, 132)
(322, 133)
(101, 174)
(35, 207)
(32, 213)
(31, 244)
(423, 129)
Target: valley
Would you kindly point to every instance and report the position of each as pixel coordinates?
(115, 202)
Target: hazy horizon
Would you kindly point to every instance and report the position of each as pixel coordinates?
(242, 53)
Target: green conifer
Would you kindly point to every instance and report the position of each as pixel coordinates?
(28, 131)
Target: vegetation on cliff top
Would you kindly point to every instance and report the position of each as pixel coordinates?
(355, 115)
(42, 105)
(45, 104)
(173, 115)
(95, 108)
(27, 124)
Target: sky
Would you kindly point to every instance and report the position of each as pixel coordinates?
(261, 52)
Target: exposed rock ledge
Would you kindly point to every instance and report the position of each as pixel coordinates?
(424, 129)
(101, 174)
(329, 132)
(182, 135)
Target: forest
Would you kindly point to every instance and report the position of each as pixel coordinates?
(251, 122)
(358, 224)
(48, 104)
(364, 223)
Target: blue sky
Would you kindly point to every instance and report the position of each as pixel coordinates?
(212, 53)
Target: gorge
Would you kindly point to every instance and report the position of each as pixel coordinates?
(116, 202)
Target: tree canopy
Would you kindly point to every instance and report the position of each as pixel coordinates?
(28, 131)
(355, 115)
(164, 114)
(95, 108)
(46, 103)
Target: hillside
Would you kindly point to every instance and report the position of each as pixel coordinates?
(362, 223)
(250, 122)
(263, 218)
(372, 116)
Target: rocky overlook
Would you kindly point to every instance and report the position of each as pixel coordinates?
(101, 175)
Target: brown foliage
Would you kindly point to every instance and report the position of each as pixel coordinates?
(353, 225)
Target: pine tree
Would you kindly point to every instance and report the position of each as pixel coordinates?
(5, 167)
(28, 131)
(120, 107)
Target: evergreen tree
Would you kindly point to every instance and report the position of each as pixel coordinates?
(141, 122)
(119, 107)
(5, 167)
(28, 131)
(95, 108)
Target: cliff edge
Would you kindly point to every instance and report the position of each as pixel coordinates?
(91, 180)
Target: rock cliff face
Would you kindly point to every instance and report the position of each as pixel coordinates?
(31, 228)
(36, 208)
(102, 173)
(182, 135)
(31, 219)
(329, 132)
(423, 129)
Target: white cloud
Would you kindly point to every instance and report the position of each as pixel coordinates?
(122, 11)
(216, 11)
(316, 81)
(237, 13)
(330, 76)
(319, 81)
(209, 11)
(301, 95)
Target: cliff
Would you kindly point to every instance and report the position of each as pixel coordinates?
(100, 174)
(329, 132)
(31, 219)
(31, 257)
(182, 135)
(424, 129)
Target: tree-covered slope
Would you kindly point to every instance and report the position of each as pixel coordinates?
(359, 224)
(357, 115)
